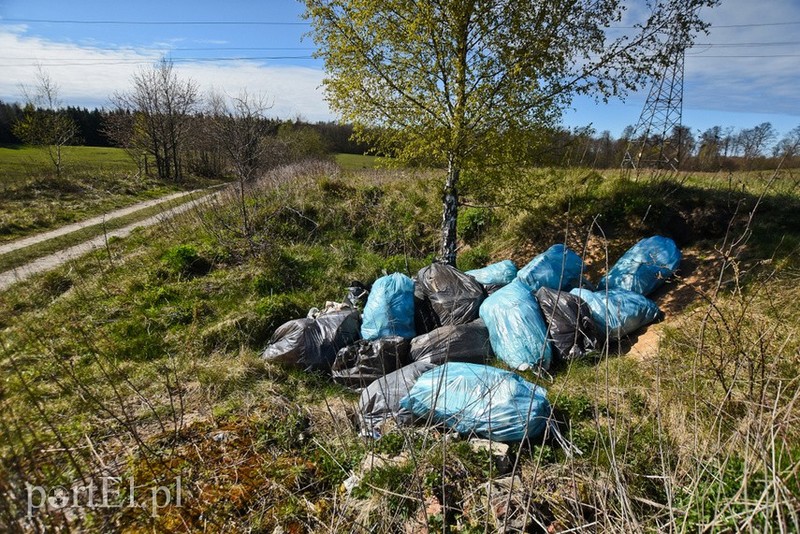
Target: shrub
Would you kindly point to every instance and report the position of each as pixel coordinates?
(184, 260)
(474, 258)
(473, 222)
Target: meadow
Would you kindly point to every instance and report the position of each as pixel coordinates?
(143, 361)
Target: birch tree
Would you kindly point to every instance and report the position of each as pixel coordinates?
(464, 83)
(44, 122)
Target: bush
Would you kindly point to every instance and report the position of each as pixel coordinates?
(473, 222)
(184, 260)
(474, 258)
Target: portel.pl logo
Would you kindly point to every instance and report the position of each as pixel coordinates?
(108, 493)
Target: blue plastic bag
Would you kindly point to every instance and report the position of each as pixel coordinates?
(557, 268)
(645, 266)
(389, 310)
(478, 399)
(618, 312)
(517, 331)
(500, 273)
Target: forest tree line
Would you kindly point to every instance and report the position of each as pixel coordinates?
(716, 148)
(92, 128)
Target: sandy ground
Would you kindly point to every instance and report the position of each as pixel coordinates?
(695, 277)
(52, 261)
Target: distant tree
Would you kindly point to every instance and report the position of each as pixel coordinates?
(89, 125)
(709, 151)
(682, 138)
(754, 141)
(788, 148)
(44, 123)
(728, 142)
(339, 137)
(9, 115)
(240, 128)
(302, 141)
(123, 128)
(161, 106)
(604, 153)
(581, 144)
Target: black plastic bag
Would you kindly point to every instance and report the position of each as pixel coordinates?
(312, 344)
(357, 295)
(491, 288)
(425, 318)
(360, 364)
(573, 331)
(381, 400)
(455, 297)
(453, 343)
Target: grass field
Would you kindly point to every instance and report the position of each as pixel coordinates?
(95, 180)
(148, 364)
(351, 162)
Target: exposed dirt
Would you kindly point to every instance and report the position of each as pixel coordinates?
(695, 279)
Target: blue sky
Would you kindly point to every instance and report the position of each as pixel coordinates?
(746, 71)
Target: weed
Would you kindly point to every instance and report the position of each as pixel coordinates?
(474, 258)
(474, 222)
(184, 260)
(146, 367)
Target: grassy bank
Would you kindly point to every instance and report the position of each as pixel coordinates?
(147, 365)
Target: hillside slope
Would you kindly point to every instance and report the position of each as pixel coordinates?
(145, 365)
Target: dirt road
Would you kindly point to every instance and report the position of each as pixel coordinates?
(68, 229)
(52, 261)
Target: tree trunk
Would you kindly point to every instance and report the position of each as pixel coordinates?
(450, 214)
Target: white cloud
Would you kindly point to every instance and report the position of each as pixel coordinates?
(88, 76)
(765, 84)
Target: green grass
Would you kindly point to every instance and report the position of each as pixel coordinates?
(94, 181)
(18, 163)
(350, 162)
(153, 358)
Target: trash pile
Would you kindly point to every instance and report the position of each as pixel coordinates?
(420, 349)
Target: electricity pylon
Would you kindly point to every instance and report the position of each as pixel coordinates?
(652, 145)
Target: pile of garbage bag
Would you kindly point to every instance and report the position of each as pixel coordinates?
(312, 343)
(422, 349)
(364, 361)
(618, 312)
(573, 331)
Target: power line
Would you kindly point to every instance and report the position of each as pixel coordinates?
(784, 43)
(755, 25)
(57, 62)
(123, 60)
(164, 22)
(167, 49)
(306, 48)
(291, 23)
(740, 56)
